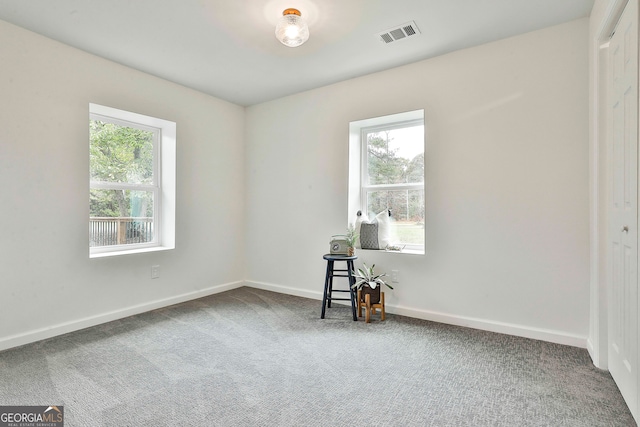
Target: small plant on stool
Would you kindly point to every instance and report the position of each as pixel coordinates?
(370, 296)
(351, 238)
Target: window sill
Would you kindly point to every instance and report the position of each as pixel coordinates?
(129, 252)
(402, 252)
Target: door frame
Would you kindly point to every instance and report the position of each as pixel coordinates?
(599, 185)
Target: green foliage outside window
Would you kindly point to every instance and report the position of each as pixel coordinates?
(386, 166)
(120, 154)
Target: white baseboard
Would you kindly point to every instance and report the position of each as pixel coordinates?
(599, 359)
(284, 289)
(487, 325)
(75, 325)
(592, 352)
(557, 337)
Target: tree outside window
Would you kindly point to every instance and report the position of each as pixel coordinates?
(393, 177)
(124, 180)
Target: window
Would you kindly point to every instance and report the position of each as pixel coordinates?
(132, 182)
(389, 152)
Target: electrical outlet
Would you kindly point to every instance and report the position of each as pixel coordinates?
(395, 276)
(155, 271)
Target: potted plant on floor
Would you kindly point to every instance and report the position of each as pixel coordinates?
(368, 285)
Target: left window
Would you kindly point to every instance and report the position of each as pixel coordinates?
(131, 159)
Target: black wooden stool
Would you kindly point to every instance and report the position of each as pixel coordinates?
(328, 282)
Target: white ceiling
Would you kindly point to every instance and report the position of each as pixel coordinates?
(227, 48)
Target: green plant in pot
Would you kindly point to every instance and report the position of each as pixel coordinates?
(351, 238)
(369, 283)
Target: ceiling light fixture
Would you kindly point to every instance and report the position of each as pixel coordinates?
(292, 30)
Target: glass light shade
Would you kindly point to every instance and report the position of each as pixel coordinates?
(292, 30)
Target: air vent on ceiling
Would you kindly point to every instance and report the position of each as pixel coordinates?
(400, 32)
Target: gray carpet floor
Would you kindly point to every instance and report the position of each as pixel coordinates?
(249, 357)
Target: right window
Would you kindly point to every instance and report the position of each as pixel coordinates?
(392, 176)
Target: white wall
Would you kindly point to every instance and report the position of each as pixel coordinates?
(507, 184)
(48, 284)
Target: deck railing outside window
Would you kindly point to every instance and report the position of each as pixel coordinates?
(108, 231)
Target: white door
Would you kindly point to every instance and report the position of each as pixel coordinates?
(623, 296)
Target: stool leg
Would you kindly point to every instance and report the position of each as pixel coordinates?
(330, 273)
(367, 313)
(352, 292)
(359, 303)
(326, 288)
(382, 302)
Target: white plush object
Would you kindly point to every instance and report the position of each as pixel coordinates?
(384, 229)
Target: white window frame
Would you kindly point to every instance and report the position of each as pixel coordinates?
(162, 187)
(359, 186)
